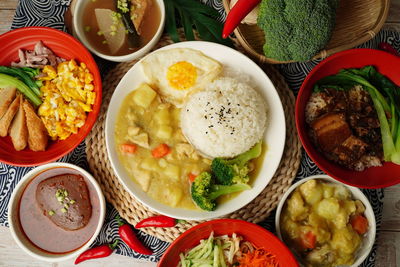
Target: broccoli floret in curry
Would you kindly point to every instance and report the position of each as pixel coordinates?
(204, 191)
(296, 29)
(234, 171)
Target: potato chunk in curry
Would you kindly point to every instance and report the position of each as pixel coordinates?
(144, 123)
(323, 224)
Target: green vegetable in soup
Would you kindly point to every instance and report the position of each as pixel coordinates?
(124, 8)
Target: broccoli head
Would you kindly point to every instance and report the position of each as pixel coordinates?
(296, 29)
(234, 171)
(204, 191)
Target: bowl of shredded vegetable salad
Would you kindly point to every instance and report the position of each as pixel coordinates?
(227, 242)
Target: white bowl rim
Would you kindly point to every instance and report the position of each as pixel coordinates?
(132, 56)
(352, 189)
(205, 215)
(30, 175)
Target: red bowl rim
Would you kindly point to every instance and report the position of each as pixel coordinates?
(96, 74)
(297, 110)
(243, 223)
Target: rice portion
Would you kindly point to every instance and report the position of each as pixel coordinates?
(315, 107)
(224, 120)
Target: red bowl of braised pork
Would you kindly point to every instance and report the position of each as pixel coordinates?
(347, 117)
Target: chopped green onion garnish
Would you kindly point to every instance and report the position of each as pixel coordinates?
(64, 210)
(51, 212)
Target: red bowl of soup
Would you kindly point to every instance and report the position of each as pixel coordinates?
(256, 235)
(65, 46)
(387, 64)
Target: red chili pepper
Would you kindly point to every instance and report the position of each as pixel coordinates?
(158, 221)
(388, 48)
(101, 251)
(129, 237)
(238, 12)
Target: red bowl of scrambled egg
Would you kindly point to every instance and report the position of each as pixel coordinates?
(78, 121)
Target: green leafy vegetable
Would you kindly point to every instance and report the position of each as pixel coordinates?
(7, 80)
(192, 13)
(385, 96)
(32, 72)
(23, 76)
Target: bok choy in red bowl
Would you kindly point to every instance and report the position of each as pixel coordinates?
(348, 117)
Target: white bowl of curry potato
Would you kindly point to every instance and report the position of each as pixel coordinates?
(326, 223)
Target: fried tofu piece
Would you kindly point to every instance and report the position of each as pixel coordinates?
(6, 120)
(7, 95)
(138, 11)
(19, 130)
(331, 130)
(37, 133)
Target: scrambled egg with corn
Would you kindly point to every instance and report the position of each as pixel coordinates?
(67, 95)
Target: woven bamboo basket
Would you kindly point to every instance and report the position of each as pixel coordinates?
(357, 21)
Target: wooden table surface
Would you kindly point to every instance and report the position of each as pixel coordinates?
(388, 254)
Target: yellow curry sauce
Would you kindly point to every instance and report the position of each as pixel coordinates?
(317, 222)
(145, 120)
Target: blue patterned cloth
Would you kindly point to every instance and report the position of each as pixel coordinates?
(50, 13)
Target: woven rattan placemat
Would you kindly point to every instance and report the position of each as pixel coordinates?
(133, 211)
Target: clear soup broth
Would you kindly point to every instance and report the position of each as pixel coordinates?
(148, 27)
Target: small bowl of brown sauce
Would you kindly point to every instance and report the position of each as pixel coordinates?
(119, 30)
(56, 211)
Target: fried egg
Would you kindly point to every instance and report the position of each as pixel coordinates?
(177, 73)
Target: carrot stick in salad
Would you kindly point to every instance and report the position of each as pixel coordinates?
(258, 258)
